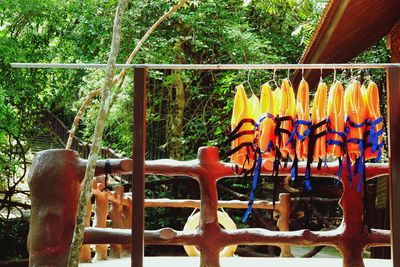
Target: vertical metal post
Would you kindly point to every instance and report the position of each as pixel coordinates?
(138, 172)
(393, 81)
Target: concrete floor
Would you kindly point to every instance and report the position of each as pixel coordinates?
(237, 262)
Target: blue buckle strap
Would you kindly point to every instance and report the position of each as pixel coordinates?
(378, 157)
(270, 145)
(296, 133)
(333, 131)
(372, 124)
(256, 176)
(263, 117)
(373, 137)
(356, 125)
(335, 142)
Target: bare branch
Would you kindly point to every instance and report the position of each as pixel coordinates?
(78, 116)
(97, 137)
(147, 34)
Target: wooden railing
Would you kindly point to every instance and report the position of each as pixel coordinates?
(61, 131)
(350, 238)
(120, 215)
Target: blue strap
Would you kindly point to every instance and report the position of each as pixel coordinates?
(296, 133)
(355, 125)
(373, 138)
(307, 182)
(254, 184)
(304, 122)
(341, 134)
(260, 120)
(295, 170)
(270, 145)
(257, 124)
(306, 132)
(349, 176)
(372, 129)
(334, 142)
(378, 157)
(376, 140)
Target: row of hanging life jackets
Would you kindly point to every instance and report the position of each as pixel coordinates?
(280, 126)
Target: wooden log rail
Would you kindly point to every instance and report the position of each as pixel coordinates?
(121, 217)
(350, 238)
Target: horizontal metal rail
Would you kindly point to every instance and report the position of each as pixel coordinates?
(206, 66)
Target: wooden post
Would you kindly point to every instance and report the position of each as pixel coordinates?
(100, 220)
(283, 221)
(393, 82)
(116, 218)
(138, 173)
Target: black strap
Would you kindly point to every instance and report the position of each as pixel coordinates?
(107, 171)
(236, 149)
(240, 124)
(310, 155)
(275, 175)
(319, 164)
(92, 199)
(233, 137)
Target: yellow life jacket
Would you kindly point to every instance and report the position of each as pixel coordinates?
(336, 135)
(374, 129)
(242, 129)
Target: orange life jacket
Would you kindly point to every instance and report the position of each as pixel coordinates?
(318, 115)
(287, 109)
(374, 129)
(336, 135)
(267, 127)
(355, 110)
(302, 120)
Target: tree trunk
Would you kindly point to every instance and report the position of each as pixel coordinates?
(97, 137)
(175, 116)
